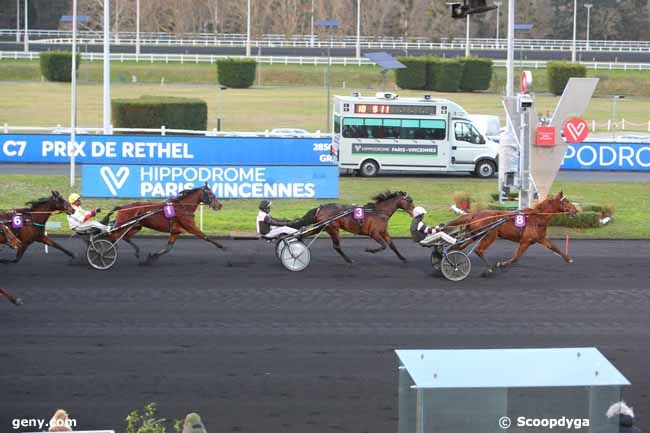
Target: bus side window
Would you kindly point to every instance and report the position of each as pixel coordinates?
(432, 130)
(409, 129)
(392, 128)
(337, 124)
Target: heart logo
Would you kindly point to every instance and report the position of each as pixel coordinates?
(576, 130)
(114, 181)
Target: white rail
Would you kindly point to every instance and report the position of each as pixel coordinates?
(295, 60)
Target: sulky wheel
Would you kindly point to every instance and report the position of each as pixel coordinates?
(295, 256)
(279, 246)
(436, 258)
(455, 266)
(101, 254)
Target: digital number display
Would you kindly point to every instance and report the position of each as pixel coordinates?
(418, 110)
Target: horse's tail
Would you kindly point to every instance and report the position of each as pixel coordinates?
(306, 220)
(107, 218)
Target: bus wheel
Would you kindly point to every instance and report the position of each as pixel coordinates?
(485, 169)
(369, 168)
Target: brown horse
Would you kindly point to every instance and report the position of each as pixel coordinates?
(183, 221)
(374, 225)
(537, 220)
(7, 237)
(35, 217)
(10, 297)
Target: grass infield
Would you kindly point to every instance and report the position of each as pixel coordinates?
(631, 200)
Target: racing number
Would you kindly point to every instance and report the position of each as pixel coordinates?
(520, 221)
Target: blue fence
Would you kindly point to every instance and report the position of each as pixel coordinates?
(608, 156)
(153, 181)
(169, 150)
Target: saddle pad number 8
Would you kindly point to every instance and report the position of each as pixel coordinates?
(359, 213)
(520, 221)
(17, 221)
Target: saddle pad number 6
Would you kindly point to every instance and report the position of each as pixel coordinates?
(17, 221)
(359, 213)
(520, 221)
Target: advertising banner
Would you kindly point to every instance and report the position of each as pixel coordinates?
(591, 155)
(165, 150)
(162, 181)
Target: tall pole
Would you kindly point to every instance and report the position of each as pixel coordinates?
(575, 30)
(26, 38)
(312, 24)
(72, 148)
(17, 21)
(137, 27)
(329, 63)
(467, 38)
(248, 30)
(358, 28)
(107, 68)
(498, 5)
(588, 6)
(510, 63)
(117, 21)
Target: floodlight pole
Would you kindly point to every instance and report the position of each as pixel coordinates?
(329, 81)
(26, 38)
(106, 123)
(17, 21)
(137, 27)
(575, 30)
(72, 148)
(498, 5)
(312, 24)
(510, 65)
(588, 6)
(248, 29)
(358, 28)
(467, 38)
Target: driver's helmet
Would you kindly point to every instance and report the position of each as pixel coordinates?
(265, 206)
(419, 211)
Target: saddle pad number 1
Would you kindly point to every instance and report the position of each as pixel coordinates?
(359, 213)
(17, 221)
(169, 211)
(520, 221)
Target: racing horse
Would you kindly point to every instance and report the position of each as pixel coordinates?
(10, 297)
(184, 205)
(533, 232)
(34, 219)
(374, 224)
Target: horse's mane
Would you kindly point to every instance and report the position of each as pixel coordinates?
(39, 201)
(186, 192)
(387, 195)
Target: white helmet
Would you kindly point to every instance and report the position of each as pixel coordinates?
(419, 210)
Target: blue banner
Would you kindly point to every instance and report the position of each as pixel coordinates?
(165, 150)
(161, 181)
(591, 155)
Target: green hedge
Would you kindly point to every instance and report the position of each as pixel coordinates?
(57, 65)
(477, 74)
(446, 75)
(157, 111)
(237, 73)
(414, 76)
(583, 220)
(560, 72)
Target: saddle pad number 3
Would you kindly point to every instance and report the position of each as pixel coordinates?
(359, 213)
(520, 221)
(17, 221)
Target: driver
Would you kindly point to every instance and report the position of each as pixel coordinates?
(81, 219)
(268, 226)
(420, 231)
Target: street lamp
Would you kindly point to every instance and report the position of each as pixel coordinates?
(26, 39)
(72, 148)
(498, 5)
(312, 25)
(106, 117)
(137, 27)
(248, 29)
(330, 25)
(588, 6)
(17, 21)
(358, 28)
(575, 30)
(615, 99)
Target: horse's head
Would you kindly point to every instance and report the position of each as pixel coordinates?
(406, 203)
(391, 201)
(61, 204)
(564, 205)
(209, 198)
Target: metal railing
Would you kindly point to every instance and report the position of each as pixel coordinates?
(296, 60)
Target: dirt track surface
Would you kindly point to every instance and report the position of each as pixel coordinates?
(255, 348)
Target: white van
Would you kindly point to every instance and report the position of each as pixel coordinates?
(386, 132)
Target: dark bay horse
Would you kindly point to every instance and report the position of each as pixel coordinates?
(35, 217)
(537, 220)
(374, 225)
(184, 204)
